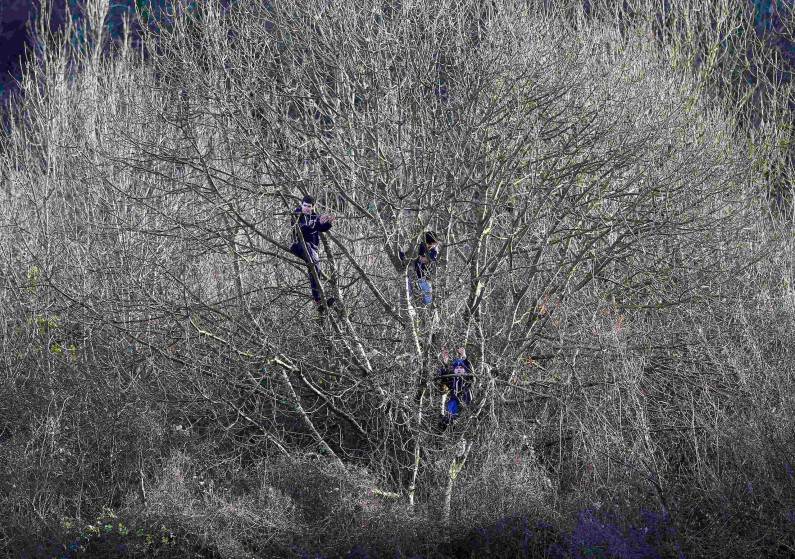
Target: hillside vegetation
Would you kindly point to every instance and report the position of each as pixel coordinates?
(612, 261)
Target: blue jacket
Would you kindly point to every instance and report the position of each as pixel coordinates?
(460, 385)
(308, 227)
(431, 254)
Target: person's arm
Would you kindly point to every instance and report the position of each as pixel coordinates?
(324, 222)
(469, 370)
(422, 252)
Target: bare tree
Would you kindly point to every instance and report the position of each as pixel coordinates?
(592, 208)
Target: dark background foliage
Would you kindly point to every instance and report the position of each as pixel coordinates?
(16, 15)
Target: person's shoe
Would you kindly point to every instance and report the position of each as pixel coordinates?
(330, 301)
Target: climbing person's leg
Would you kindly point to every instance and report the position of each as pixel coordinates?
(298, 250)
(310, 256)
(427, 290)
(316, 262)
(313, 259)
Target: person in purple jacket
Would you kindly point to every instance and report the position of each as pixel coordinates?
(307, 227)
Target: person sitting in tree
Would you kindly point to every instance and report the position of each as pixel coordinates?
(455, 380)
(427, 254)
(307, 227)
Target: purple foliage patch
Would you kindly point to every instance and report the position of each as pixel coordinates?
(600, 536)
(358, 552)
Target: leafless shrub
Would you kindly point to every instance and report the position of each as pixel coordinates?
(597, 215)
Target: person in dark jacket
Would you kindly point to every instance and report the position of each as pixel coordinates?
(427, 255)
(307, 227)
(455, 380)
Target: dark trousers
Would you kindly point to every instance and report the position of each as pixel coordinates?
(311, 257)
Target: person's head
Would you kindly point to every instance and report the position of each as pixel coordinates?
(307, 204)
(430, 239)
(459, 366)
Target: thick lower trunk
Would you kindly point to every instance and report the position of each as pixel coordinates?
(417, 446)
(456, 466)
(421, 390)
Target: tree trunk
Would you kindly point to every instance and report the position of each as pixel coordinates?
(456, 466)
